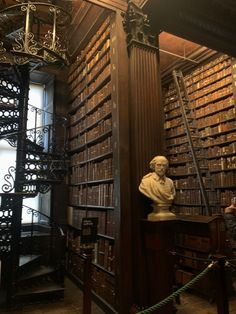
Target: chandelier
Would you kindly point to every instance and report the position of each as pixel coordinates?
(32, 31)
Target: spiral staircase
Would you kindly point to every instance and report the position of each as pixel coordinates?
(31, 256)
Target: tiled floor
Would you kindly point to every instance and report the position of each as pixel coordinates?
(72, 304)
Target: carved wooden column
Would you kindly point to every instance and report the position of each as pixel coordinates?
(146, 126)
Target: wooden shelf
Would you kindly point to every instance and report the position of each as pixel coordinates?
(212, 93)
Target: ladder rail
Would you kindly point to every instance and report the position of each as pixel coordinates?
(189, 137)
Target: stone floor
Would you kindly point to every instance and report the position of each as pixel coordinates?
(192, 304)
(72, 304)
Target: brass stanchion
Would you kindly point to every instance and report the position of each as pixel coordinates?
(221, 285)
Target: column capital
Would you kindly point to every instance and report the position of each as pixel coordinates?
(137, 27)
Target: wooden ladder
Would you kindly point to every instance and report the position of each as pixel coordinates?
(193, 136)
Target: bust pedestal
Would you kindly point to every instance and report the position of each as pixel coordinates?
(161, 212)
(158, 241)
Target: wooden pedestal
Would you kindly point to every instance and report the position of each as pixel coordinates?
(158, 241)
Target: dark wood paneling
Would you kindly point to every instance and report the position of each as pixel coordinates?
(146, 141)
(111, 4)
(121, 158)
(209, 23)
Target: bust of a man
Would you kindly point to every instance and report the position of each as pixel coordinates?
(159, 188)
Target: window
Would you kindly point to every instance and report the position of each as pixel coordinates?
(8, 153)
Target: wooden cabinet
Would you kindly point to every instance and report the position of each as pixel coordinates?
(196, 239)
(211, 92)
(158, 242)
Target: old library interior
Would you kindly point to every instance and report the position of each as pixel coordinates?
(117, 156)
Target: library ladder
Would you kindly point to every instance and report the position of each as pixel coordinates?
(194, 139)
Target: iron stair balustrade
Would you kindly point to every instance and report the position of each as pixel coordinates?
(16, 189)
(42, 224)
(45, 165)
(192, 135)
(9, 101)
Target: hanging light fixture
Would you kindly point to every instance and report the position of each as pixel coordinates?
(31, 31)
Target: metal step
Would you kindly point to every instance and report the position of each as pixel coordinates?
(25, 260)
(36, 273)
(46, 290)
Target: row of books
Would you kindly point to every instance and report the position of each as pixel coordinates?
(91, 119)
(199, 112)
(90, 49)
(106, 222)
(104, 285)
(94, 101)
(188, 168)
(214, 107)
(92, 171)
(86, 71)
(103, 253)
(98, 67)
(106, 219)
(201, 72)
(100, 130)
(226, 196)
(103, 127)
(102, 282)
(210, 88)
(222, 163)
(200, 96)
(102, 48)
(99, 149)
(175, 127)
(177, 140)
(224, 179)
(223, 139)
(77, 158)
(211, 79)
(98, 97)
(190, 182)
(220, 128)
(171, 131)
(214, 96)
(219, 151)
(95, 195)
(178, 149)
(188, 210)
(185, 157)
(81, 95)
(176, 122)
(99, 114)
(75, 216)
(97, 39)
(194, 197)
(85, 78)
(75, 265)
(216, 118)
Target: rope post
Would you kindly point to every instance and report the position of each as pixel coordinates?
(87, 295)
(221, 285)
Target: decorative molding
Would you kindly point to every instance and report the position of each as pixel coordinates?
(137, 27)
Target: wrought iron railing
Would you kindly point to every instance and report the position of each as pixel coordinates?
(45, 155)
(40, 225)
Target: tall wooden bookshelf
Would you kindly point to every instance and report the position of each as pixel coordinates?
(97, 102)
(211, 89)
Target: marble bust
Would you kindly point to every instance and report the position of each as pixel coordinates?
(159, 188)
